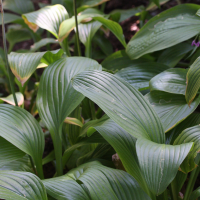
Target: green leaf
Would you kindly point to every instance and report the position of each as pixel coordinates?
(24, 131)
(48, 18)
(21, 186)
(23, 65)
(152, 6)
(97, 182)
(174, 54)
(43, 42)
(157, 2)
(14, 36)
(193, 81)
(139, 75)
(160, 162)
(190, 135)
(8, 152)
(171, 108)
(64, 99)
(195, 194)
(18, 6)
(8, 18)
(124, 145)
(122, 103)
(22, 164)
(126, 14)
(167, 29)
(10, 100)
(68, 25)
(171, 81)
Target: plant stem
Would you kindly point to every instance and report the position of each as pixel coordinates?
(163, 196)
(193, 176)
(6, 54)
(58, 153)
(39, 168)
(174, 190)
(32, 164)
(65, 47)
(77, 31)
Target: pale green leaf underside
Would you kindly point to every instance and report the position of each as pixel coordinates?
(171, 108)
(21, 186)
(171, 27)
(48, 18)
(10, 100)
(193, 81)
(122, 103)
(99, 182)
(171, 81)
(22, 130)
(189, 135)
(56, 97)
(159, 162)
(139, 75)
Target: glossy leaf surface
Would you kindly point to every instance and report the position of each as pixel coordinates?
(167, 29)
(21, 186)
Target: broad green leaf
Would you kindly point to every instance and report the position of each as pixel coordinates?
(74, 121)
(167, 29)
(56, 97)
(124, 145)
(23, 65)
(48, 18)
(10, 100)
(195, 194)
(14, 36)
(97, 181)
(8, 18)
(192, 120)
(122, 103)
(139, 75)
(171, 108)
(18, 6)
(50, 157)
(21, 129)
(43, 42)
(189, 135)
(174, 54)
(21, 186)
(171, 81)
(68, 25)
(22, 164)
(125, 14)
(8, 152)
(193, 81)
(120, 60)
(160, 162)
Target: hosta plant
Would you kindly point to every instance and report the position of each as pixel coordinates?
(140, 102)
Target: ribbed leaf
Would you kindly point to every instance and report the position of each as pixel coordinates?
(56, 97)
(171, 108)
(190, 135)
(174, 54)
(122, 103)
(23, 65)
(8, 152)
(49, 18)
(193, 81)
(140, 75)
(195, 194)
(22, 130)
(68, 25)
(167, 29)
(42, 43)
(171, 81)
(159, 162)
(97, 182)
(21, 186)
(19, 6)
(124, 145)
(9, 99)
(22, 164)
